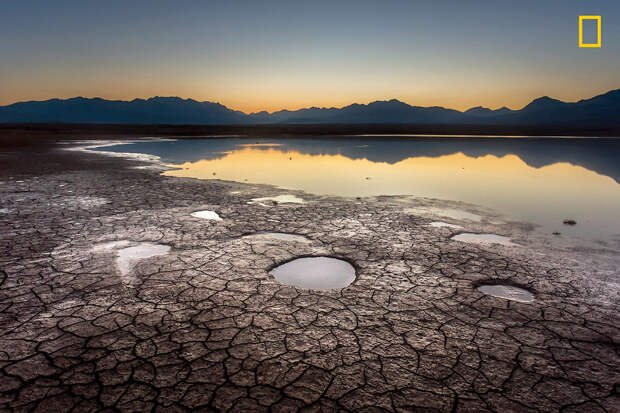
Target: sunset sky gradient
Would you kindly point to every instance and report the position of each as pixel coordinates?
(270, 55)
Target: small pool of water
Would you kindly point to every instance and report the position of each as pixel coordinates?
(507, 292)
(315, 273)
(207, 215)
(485, 239)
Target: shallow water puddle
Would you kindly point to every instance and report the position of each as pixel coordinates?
(280, 236)
(207, 215)
(315, 273)
(484, 239)
(507, 292)
(128, 254)
(280, 199)
(440, 224)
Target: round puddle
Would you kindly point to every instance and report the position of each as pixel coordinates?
(315, 273)
(507, 292)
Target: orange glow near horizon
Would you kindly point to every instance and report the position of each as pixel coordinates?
(257, 103)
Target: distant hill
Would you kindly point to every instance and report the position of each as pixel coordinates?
(602, 110)
(162, 110)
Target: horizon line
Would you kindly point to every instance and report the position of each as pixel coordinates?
(128, 100)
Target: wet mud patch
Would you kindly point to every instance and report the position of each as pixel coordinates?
(484, 239)
(315, 273)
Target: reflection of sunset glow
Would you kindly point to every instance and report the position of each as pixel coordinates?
(541, 195)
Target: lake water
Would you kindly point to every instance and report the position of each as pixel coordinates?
(538, 180)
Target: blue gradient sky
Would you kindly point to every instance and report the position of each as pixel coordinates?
(253, 55)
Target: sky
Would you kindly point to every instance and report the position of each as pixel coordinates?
(271, 55)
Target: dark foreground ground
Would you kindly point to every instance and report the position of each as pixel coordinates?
(206, 328)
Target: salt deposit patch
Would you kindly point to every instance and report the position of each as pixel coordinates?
(280, 199)
(128, 253)
(127, 257)
(316, 273)
(207, 215)
(507, 292)
(82, 201)
(113, 245)
(440, 224)
(484, 239)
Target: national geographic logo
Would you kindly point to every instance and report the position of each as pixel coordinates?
(597, 19)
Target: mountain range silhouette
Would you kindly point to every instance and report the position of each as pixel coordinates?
(601, 110)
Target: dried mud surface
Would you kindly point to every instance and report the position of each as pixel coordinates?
(204, 327)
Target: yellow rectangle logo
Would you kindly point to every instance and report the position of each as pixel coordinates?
(598, 31)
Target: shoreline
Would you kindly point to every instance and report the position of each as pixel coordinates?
(540, 228)
(37, 134)
(531, 238)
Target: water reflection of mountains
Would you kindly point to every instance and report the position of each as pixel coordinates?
(600, 155)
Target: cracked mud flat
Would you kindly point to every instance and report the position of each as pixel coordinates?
(270, 237)
(206, 327)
